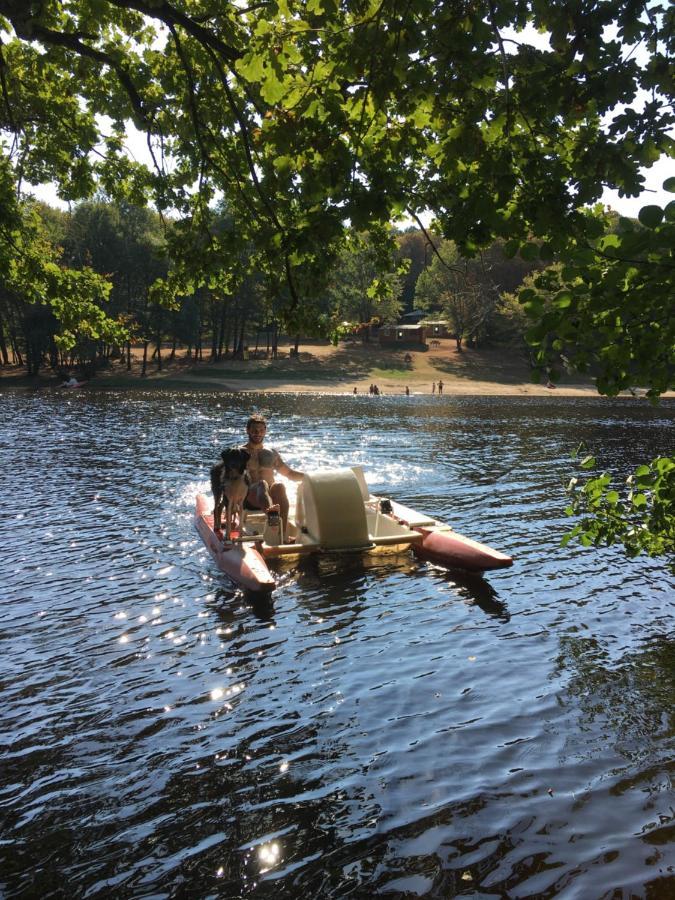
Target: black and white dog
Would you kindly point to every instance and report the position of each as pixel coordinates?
(229, 485)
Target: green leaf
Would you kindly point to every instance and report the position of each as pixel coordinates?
(610, 240)
(669, 185)
(650, 216)
(272, 88)
(529, 251)
(283, 163)
(263, 27)
(546, 252)
(251, 66)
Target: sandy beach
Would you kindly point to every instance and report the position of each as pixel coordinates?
(320, 367)
(451, 387)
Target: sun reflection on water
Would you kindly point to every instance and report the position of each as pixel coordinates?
(269, 855)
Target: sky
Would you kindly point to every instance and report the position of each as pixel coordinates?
(653, 193)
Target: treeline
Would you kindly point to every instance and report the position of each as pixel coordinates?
(128, 247)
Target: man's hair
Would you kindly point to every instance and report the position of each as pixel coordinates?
(256, 419)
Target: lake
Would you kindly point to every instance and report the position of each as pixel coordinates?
(384, 727)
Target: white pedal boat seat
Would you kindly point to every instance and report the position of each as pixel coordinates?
(330, 510)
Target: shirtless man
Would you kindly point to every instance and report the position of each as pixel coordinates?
(263, 464)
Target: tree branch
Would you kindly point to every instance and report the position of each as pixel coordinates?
(38, 32)
(627, 259)
(168, 14)
(243, 130)
(505, 70)
(240, 11)
(192, 99)
(432, 245)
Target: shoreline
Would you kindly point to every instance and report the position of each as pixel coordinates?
(321, 368)
(453, 387)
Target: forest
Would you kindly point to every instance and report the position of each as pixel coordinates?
(124, 248)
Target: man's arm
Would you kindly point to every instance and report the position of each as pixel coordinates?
(287, 472)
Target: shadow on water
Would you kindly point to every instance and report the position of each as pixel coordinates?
(229, 602)
(261, 605)
(333, 575)
(477, 589)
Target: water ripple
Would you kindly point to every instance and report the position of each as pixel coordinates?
(384, 726)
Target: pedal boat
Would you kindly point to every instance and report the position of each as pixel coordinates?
(334, 512)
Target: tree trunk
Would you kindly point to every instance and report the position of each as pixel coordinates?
(17, 358)
(128, 356)
(221, 330)
(3, 346)
(159, 351)
(228, 335)
(144, 367)
(32, 360)
(53, 354)
(234, 331)
(214, 333)
(242, 330)
(275, 340)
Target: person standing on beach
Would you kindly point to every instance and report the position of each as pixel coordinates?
(433, 387)
(440, 386)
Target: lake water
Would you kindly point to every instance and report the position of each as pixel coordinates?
(385, 727)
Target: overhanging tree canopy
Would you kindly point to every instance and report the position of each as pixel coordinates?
(307, 114)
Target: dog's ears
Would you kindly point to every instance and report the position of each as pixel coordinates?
(228, 452)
